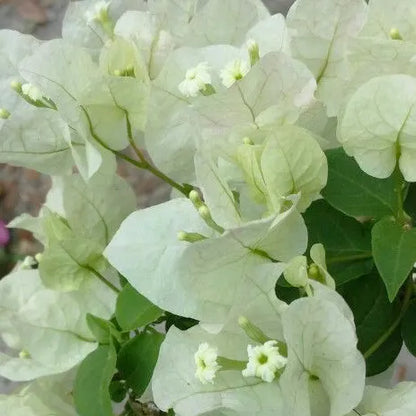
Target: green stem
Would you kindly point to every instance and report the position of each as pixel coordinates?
(395, 324)
(401, 215)
(343, 259)
(103, 279)
(143, 164)
(146, 165)
(228, 364)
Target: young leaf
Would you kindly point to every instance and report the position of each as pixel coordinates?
(394, 250)
(101, 329)
(347, 242)
(355, 193)
(133, 310)
(137, 359)
(409, 328)
(373, 315)
(91, 389)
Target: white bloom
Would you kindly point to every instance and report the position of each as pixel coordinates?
(195, 80)
(98, 12)
(264, 361)
(206, 363)
(32, 92)
(234, 71)
(28, 263)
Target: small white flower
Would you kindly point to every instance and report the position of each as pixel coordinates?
(195, 80)
(234, 71)
(206, 363)
(98, 12)
(264, 361)
(28, 263)
(32, 92)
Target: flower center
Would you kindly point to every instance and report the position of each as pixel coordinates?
(263, 358)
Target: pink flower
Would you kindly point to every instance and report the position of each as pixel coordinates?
(4, 234)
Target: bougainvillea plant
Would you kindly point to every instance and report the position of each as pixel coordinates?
(278, 277)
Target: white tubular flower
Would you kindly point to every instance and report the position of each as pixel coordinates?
(264, 361)
(32, 92)
(234, 71)
(206, 363)
(28, 263)
(195, 80)
(98, 12)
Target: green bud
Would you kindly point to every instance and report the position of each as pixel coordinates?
(208, 90)
(118, 72)
(315, 274)
(38, 257)
(24, 355)
(248, 141)
(253, 51)
(204, 212)
(4, 114)
(190, 237)
(195, 198)
(16, 86)
(395, 34)
(252, 331)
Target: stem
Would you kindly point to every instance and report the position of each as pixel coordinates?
(395, 324)
(342, 259)
(103, 279)
(143, 164)
(401, 215)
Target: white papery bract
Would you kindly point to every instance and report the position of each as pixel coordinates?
(312, 350)
(98, 12)
(207, 279)
(236, 106)
(377, 126)
(48, 326)
(43, 397)
(399, 401)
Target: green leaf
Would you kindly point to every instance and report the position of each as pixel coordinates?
(410, 203)
(394, 250)
(101, 329)
(91, 389)
(373, 315)
(355, 193)
(409, 328)
(133, 310)
(137, 360)
(117, 391)
(347, 242)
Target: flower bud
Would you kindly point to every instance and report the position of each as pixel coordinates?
(190, 237)
(195, 198)
(395, 34)
(16, 86)
(248, 141)
(253, 51)
(4, 114)
(24, 355)
(252, 331)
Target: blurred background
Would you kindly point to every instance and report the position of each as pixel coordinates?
(23, 190)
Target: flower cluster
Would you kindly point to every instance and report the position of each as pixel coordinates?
(289, 143)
